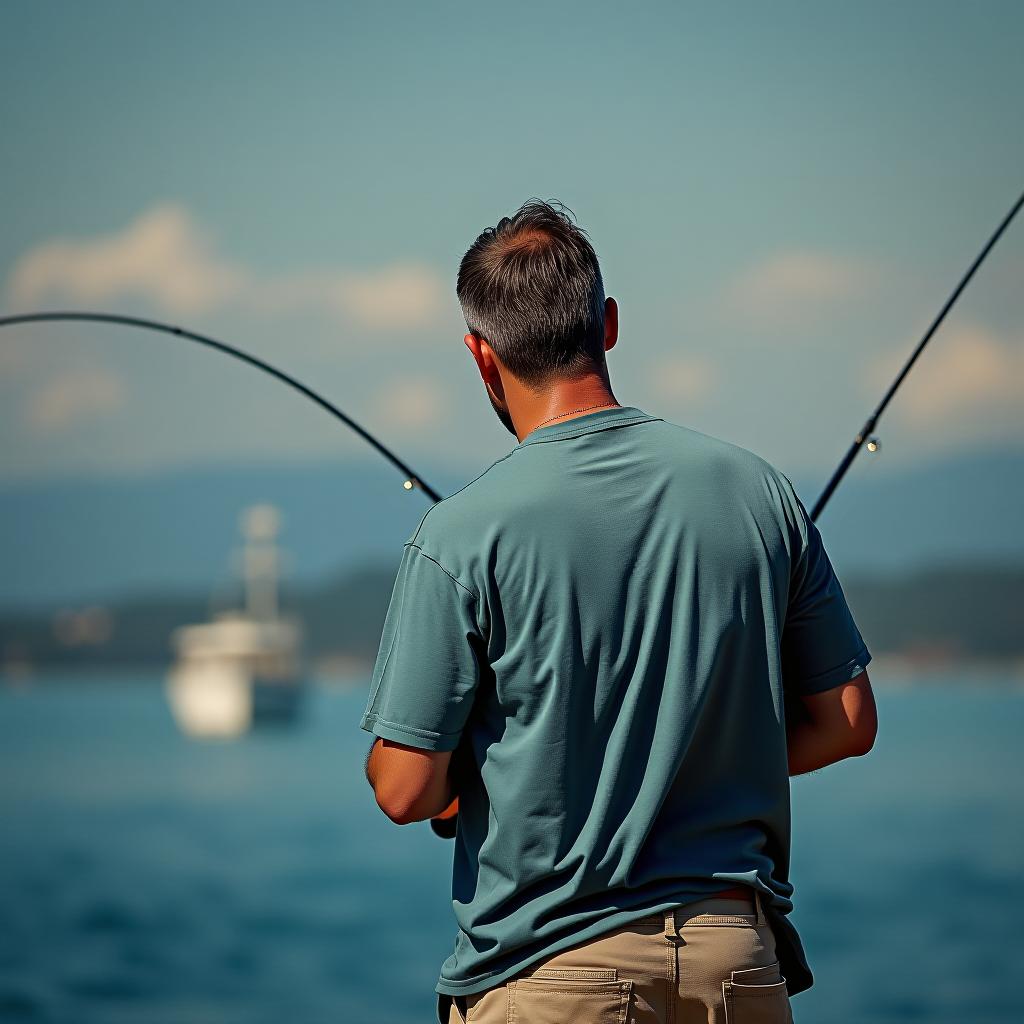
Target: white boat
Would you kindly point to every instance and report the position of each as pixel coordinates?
(245, 666)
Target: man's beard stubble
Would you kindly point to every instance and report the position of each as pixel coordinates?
(502, 414)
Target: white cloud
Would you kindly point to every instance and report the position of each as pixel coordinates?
(166, 258)
(73, 396)
(964, 369)
(794, 288)
(413, 403)
(162, 256)
(685, 378)
(397, 296)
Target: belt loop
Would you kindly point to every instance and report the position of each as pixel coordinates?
(671, 930)
(759, 906)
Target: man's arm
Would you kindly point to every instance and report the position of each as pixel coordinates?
(431, 659)
(410, 784)
(832, 725)
(830, 710)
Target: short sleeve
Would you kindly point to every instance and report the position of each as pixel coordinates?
(821, 645)
(428, 665)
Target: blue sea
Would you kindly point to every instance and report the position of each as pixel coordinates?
(149, 878)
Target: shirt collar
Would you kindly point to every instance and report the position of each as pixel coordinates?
(587, 423)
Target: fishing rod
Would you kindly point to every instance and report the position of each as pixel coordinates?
(445, 824)
(864, 437)
(866, 434)
(412, 479)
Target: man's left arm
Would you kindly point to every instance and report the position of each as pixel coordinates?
(410, 784)
(424, 681)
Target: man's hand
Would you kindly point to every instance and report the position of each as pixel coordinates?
(410, 784)
(823, 728)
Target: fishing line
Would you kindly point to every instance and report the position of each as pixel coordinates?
(412, 479)
(866, 435)
(446, 826)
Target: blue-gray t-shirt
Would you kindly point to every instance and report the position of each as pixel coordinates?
(605, 625)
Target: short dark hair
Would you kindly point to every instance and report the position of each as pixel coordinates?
(532, 287)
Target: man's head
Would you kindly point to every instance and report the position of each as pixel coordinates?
(534, 303)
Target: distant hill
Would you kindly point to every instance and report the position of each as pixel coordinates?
(938, 615)
(953, 510)
(943, 613)
(98, 538)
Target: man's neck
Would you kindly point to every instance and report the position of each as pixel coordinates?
(561, 402)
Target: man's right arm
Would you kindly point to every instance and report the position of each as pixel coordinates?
(830, 709)
(832, 725)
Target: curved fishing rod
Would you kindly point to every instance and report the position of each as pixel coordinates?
(411, 479)
(867, 430)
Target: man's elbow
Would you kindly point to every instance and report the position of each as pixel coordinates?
(845, 717)
(397, 806)
(861, 738)
(400, 807)
(400, 815)
(408, 784)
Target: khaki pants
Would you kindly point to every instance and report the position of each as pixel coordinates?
(709, 962)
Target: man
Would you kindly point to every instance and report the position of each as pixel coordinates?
(613, 647)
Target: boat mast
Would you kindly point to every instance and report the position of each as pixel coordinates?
(261, 560)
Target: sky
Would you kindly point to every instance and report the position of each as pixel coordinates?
(781, 196)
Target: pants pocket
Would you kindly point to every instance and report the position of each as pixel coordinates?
(570, 996)
(757, 995)
(488, 1007)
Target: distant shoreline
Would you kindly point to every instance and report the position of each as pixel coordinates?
(889, 672)
(899, 671)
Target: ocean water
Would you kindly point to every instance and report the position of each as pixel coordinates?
(148, 878)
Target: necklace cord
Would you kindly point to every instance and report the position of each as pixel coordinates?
(606, 405)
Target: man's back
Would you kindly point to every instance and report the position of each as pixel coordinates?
(596, 623)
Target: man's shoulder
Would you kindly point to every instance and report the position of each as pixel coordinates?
(513, 486)
(725, 466)
(460, 516)
(718, 452)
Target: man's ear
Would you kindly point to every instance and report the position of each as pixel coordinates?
(611, 323)
(483, 356)
(473, 344)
